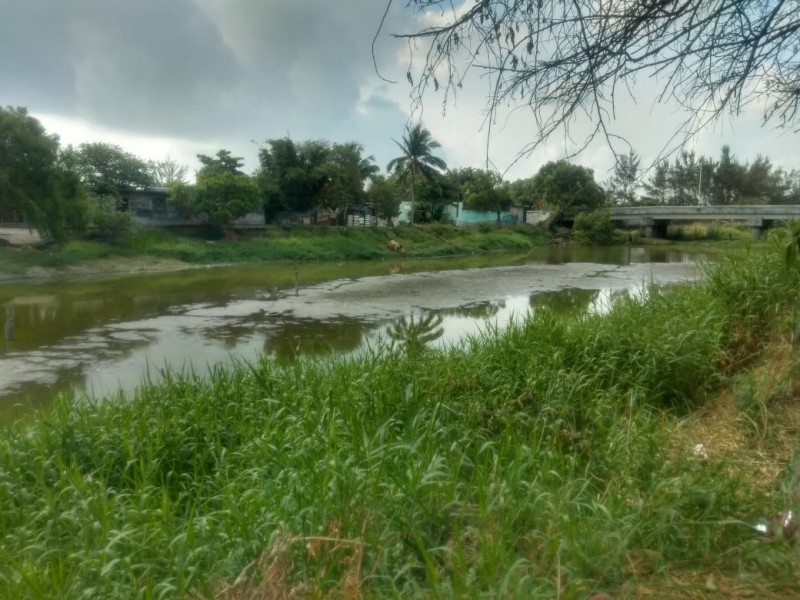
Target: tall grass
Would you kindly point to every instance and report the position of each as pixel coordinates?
(533, 462)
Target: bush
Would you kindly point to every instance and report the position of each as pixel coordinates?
(595, 228)
(107, 219)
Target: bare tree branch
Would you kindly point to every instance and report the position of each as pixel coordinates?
(568, 59)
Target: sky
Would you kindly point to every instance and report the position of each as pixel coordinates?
(180, 77)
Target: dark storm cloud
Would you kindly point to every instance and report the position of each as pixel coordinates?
(148, 65)
(201, 69)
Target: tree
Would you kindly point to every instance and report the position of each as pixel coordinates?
(657, 186)
(761, 183)
(308, 175)
(432, 197)
(566, 59)
(417, 161)
(623, 185)
(523, 193)
(684, 179)
(168, 171)
(293, 176)
(566, 188)
(727, 179)
(224, 192)
(34, 180)
(346, 172)
(384, 197)
(484, 190)
(106, 169)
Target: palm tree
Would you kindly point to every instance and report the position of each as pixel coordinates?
(366, 164)
(417, 159)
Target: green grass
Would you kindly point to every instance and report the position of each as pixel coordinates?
(277, 244)
(532, 463)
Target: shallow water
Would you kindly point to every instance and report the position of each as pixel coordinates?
(99, 336)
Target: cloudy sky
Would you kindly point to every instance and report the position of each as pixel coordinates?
(180, 77)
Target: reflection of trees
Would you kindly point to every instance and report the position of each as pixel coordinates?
(608, 298)
(568, 300)
(478, 310)
(290, 339)
(413, 335)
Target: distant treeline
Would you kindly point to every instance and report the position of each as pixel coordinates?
(73, 191)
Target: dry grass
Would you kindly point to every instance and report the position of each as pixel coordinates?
(268, 577)
(759, 449)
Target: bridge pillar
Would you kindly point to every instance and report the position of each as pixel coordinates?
(646, 226)
(653, 228)
(757, 227)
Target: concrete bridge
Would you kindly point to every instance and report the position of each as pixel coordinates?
(653, 220)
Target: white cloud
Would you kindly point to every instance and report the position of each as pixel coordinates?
(192, 76)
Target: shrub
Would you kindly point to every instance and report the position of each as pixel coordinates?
(595, 228)
(107, 219)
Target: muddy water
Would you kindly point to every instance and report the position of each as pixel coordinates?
(99, 336)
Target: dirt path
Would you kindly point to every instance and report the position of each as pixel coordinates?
(19, 236)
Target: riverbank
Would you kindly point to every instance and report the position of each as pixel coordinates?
(629, 453)
(161, 250)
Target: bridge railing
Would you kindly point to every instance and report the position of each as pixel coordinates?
(764, 211)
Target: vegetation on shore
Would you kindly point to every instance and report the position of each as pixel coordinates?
(284, 245)
(566, 455)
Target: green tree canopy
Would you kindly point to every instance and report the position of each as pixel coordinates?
(106, 169)
(347, 171)
(484, 190)
(292, 176)
(567, 188)
(657, 190)
(384, 197)
(417, 162)
(224, 192)
(313, 174)
(524, 193)
(624, 183)
(33, 178)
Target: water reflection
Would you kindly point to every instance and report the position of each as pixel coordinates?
(100, 335)
(413, 332)
(476, 310)
(568, 300)
(292, 338)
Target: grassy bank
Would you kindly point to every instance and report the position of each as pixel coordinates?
(295, 244)
(554, 459)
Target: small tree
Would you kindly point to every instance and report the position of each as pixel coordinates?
(184, 197)
(595, 227)
(484, 190)
(384, 197)
(168, 171)
(657, 186)
(224, 192)
(624, 184)
(107, 220)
